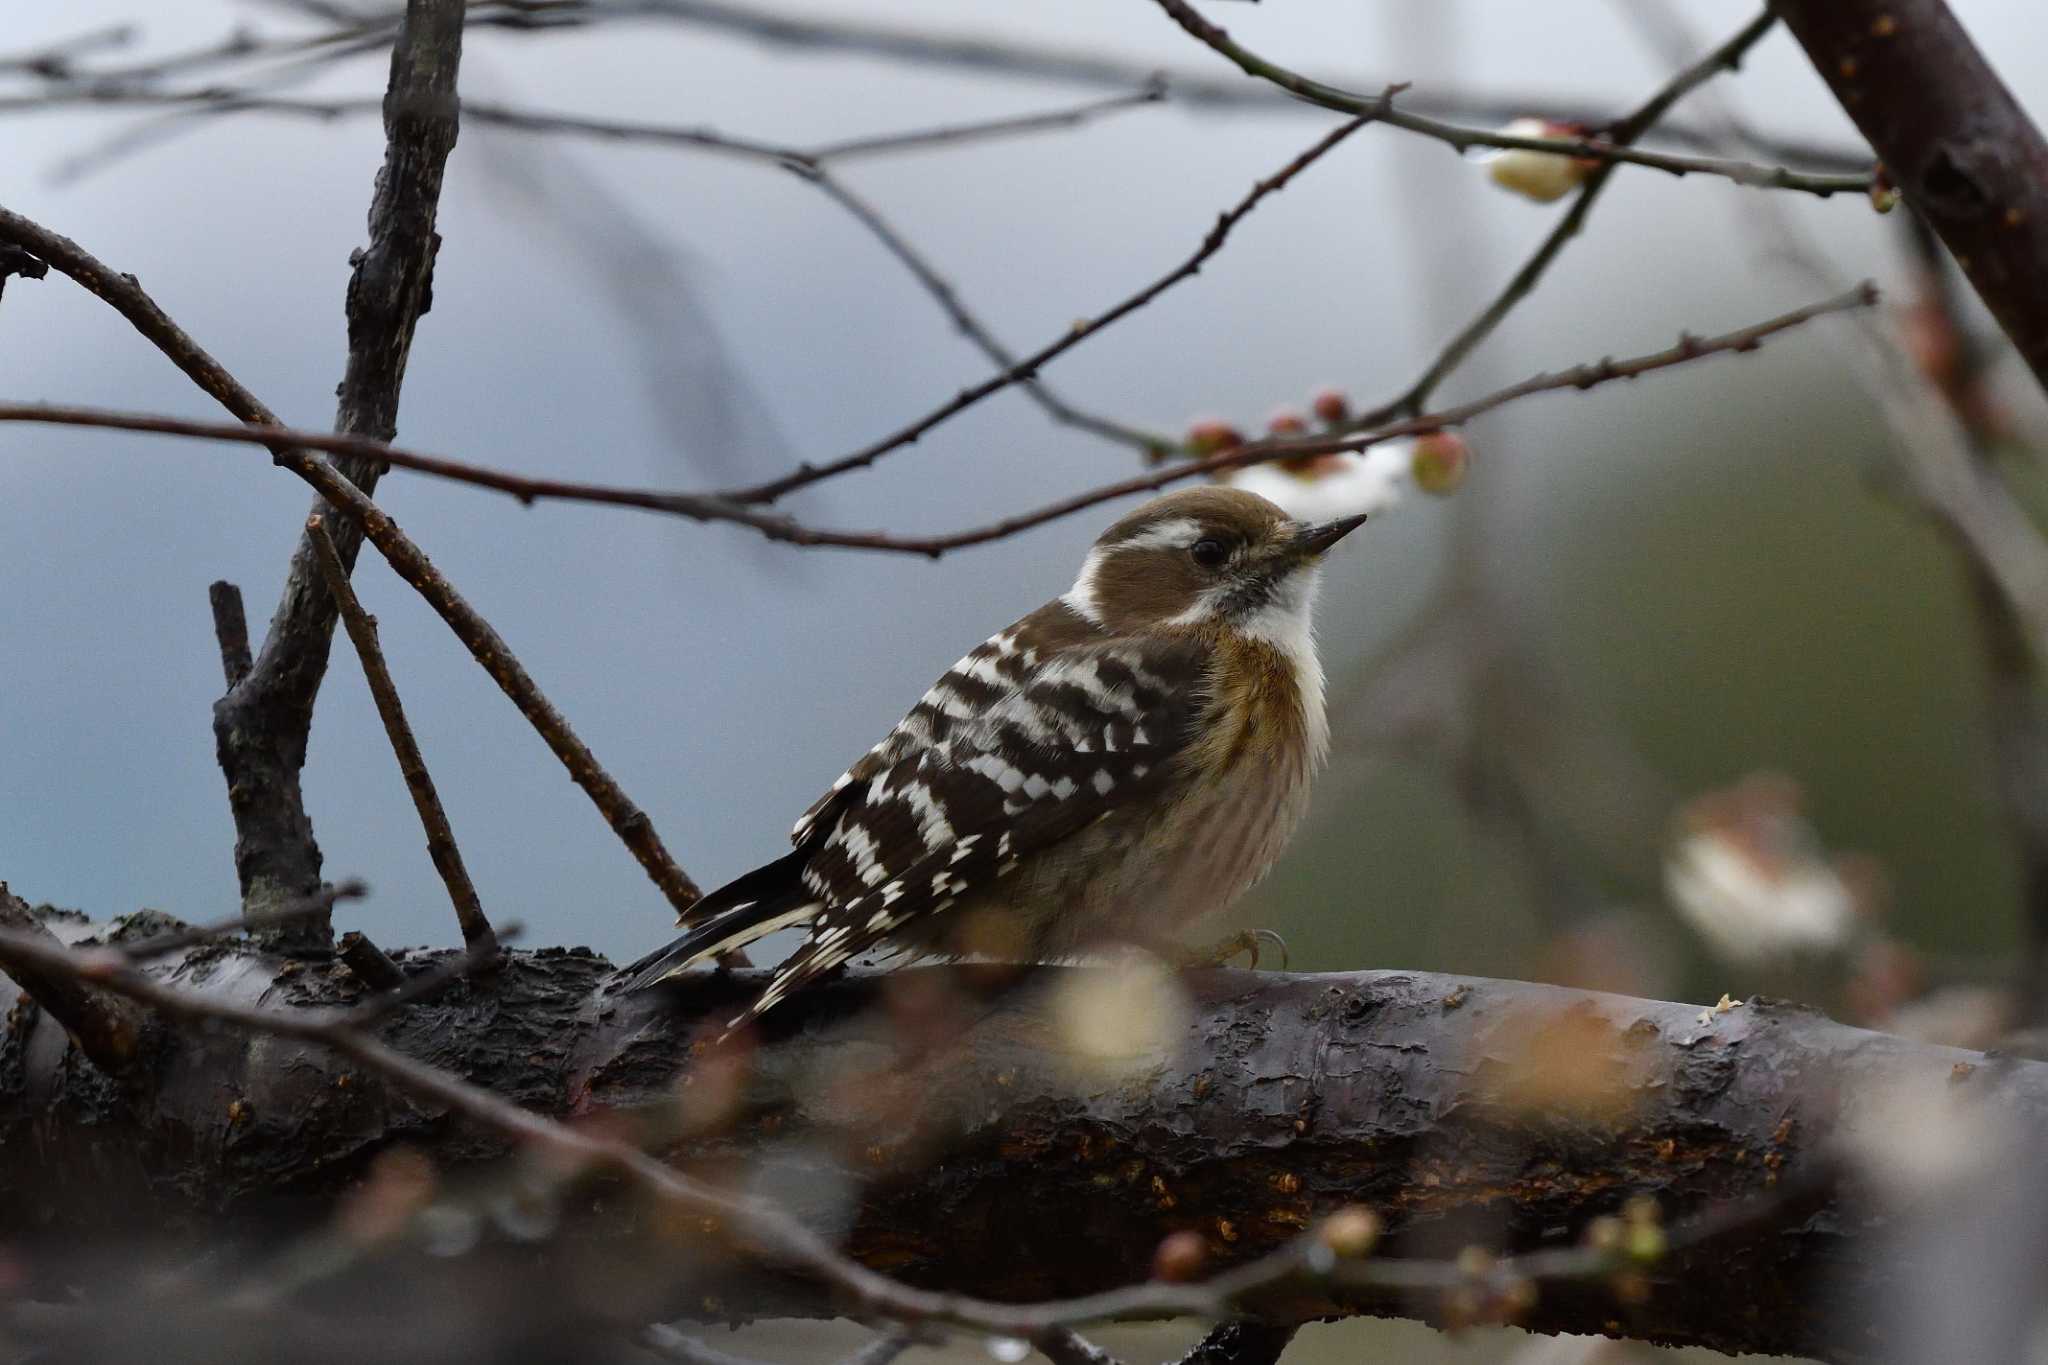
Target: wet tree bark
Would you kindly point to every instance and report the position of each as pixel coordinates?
(1464, 1111)
(1952, 138)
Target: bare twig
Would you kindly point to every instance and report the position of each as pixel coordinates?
(1412, 399)
(489, 649)
(1607, 150)
(1152, 92)
(713, 508)
(412, 765)
(230, 631)
(474, 958)
(970, 326)
(1082, 329)
(261, 725)
(371, 964)
(213, 100)
(318, 903)
(54, 61)
(106, 1028)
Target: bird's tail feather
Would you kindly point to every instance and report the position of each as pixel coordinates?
(733, 927)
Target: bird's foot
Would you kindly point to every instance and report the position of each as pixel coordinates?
(1245, 941)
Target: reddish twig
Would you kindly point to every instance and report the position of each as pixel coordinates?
(712, 508)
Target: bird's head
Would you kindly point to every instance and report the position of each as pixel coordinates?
(1207, 558)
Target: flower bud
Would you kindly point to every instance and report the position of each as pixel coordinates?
(1352, 1231)
(1209, 436)
(1330, 406)
(1286, 422)
(1541, 176)
(1440, 461)
(1182, 1256)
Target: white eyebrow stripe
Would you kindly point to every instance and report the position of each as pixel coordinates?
(1176, 534)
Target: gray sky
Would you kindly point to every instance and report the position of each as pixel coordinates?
(722, 681)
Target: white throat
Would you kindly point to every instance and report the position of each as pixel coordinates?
(1286, 623)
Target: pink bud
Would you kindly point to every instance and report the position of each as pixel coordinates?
(1286, 422)
(1440, 461)
(1330, 406)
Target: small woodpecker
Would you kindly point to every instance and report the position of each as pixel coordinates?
(1125, 761)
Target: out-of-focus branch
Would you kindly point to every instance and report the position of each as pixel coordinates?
(217, 100)
(261, 724)
(1951, 137)
(715, 508)
(412, 764)
(925, 46)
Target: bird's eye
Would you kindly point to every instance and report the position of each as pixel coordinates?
(1209, 552)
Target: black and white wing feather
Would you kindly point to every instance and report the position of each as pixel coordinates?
(1036, 734)
(974, 782)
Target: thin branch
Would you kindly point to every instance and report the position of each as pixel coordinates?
(122, 293)
(1609, 150)
(412, 765)
(230, 631)
(319, 903)
(222, 99)
(1154, 92)
(971, 327)
(476, 957)
(1412, 399)
(712, 508)
(1028, 368)
(54, 61)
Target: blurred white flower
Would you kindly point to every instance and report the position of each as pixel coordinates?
(1542, 176)
(1120, 1019)
(1749, 874)
(1924, 1135)
(1324, 487)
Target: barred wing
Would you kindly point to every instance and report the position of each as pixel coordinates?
(1000, 761)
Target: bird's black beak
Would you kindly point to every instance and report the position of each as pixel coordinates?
(1313, 540)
